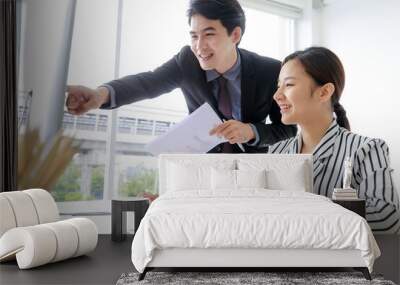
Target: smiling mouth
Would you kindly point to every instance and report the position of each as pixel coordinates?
(284, 108)
(205, 58)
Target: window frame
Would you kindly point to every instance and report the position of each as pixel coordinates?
(113, 120)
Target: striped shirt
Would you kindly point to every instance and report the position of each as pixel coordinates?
(372, 175)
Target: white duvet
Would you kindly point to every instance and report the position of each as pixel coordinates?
(250, 219)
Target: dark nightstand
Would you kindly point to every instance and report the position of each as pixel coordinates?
(118, 207)
(356, 205)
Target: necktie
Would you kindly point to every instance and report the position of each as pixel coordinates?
(224, 101)
(224, 106)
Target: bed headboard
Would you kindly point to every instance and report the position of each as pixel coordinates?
(294, 168)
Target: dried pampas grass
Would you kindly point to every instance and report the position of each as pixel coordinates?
(40, 164)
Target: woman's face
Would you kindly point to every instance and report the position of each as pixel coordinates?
(295, 95)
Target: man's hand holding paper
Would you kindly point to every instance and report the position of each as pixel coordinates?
(234, 131)
(192, 135)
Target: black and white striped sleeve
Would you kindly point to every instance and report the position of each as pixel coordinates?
(281, 147)
(375, 183)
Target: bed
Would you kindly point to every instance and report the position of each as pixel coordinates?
(246, 211)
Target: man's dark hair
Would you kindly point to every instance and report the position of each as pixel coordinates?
(229, 12)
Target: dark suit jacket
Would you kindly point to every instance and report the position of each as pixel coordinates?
(259, 80)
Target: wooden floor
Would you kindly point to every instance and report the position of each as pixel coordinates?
(102, 266)
(110, 259)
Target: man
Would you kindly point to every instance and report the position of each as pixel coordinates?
(237, 83)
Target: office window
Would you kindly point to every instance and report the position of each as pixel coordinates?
(92, 61)
(82, 180)
(145, 127)
(137, 176)
(266, 34)
(102, 123)
(126, 125)
(68, 121)
(161, 127)
(22, 115)
(86, 122)
(145, 44)
(24, 103)
(68, 186)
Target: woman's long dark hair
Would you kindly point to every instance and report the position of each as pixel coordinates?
(325, 67)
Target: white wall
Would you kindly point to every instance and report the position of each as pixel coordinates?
(365, 35)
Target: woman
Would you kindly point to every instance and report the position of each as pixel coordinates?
(309, 89)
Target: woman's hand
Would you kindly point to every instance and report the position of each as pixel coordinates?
(149, 196)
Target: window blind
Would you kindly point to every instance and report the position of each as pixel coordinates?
(274, 7)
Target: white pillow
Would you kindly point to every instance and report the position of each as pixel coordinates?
(193, 174)
(226, 179)
(223, 179)
(290, 179)
(283, 172)
(251, 178)
(183, 177)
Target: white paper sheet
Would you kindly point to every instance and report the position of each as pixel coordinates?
(190, 135)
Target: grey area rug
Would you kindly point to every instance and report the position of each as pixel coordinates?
(243, 278)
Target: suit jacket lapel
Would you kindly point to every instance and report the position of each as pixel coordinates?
(248, 86)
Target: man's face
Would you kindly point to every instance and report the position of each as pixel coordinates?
(212, 45)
